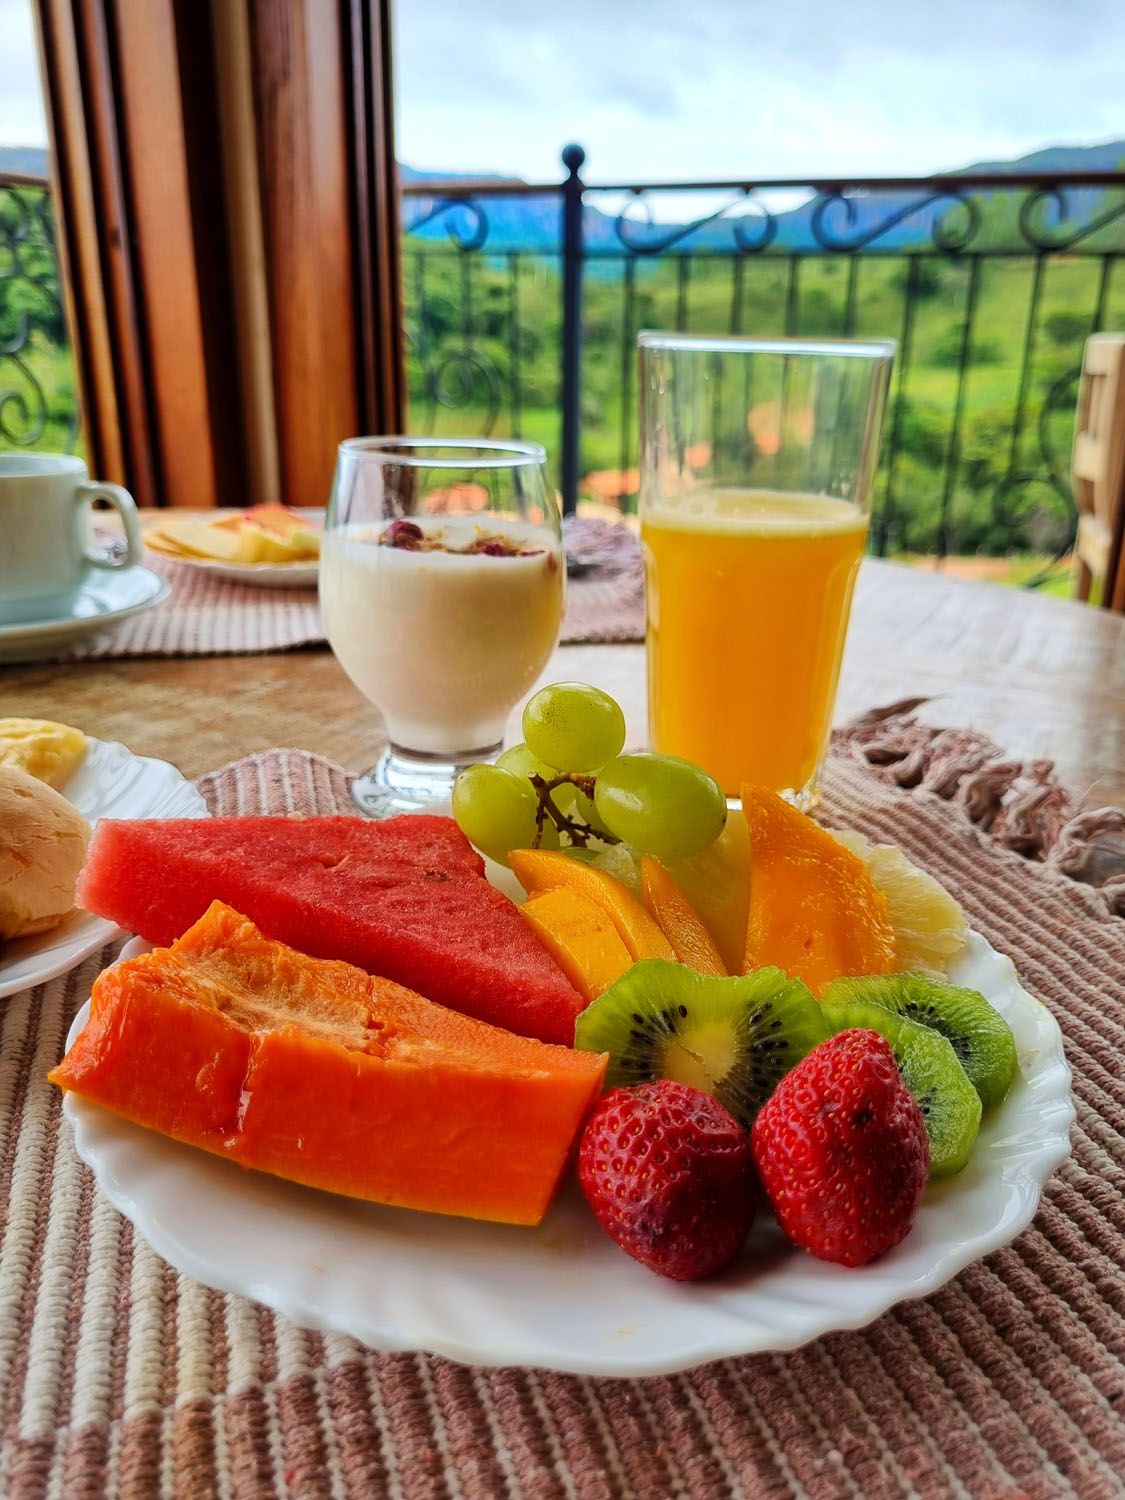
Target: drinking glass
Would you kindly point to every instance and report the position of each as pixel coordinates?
(441, 585)
(757, 461)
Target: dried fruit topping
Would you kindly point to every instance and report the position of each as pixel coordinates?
(669, 1175)
(842, 1152)
(404, 534)
(490, 544)
(408, 536)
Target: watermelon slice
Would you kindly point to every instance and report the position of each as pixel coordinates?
(405, 899)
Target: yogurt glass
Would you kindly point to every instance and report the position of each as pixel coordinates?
(442, 583)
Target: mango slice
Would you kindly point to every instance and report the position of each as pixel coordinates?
(545, 870)
(580, 937)
(717, 884)
(814, 909)
(679, 920)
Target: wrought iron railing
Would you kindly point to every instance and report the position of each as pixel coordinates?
(38, 397)
(524, 301)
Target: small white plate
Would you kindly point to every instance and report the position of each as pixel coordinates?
(563, 1297)
(104, 600)
(111, 782)
(292, 575)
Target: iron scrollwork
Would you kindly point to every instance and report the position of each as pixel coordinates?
(32, 325)
(657, 244)
(1044, 222)
(1059, 398)
(466, 221)
(461, 378)
(945, 234)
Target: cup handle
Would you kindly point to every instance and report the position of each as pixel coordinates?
(123, 504)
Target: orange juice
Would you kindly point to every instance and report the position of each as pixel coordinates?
(748, 594)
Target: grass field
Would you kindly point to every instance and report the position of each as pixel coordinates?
(38, 399)
(979, 481)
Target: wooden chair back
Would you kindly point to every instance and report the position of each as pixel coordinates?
(1098, 469)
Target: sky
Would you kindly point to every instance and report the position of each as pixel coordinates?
(22, 122)
(666, 89)
(689, 89)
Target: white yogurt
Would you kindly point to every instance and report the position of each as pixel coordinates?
(444, 644)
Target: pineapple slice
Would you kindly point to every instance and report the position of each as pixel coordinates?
(930, 928)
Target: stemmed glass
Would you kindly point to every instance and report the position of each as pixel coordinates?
(442, 585)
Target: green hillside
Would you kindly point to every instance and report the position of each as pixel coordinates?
(486, 339)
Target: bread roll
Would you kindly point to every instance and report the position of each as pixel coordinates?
(42, 846)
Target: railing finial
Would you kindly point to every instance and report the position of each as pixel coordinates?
(572, 158)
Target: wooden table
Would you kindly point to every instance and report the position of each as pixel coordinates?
(1042, 676)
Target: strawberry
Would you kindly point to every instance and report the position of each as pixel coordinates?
(842, 1151)
(669, 1175)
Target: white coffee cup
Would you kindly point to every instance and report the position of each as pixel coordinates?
(45, 555)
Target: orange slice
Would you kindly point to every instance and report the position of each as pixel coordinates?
(814, 909)
(679, 920)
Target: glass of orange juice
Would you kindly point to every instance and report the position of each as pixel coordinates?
(757, 461)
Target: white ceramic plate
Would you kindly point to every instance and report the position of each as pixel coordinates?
(111, 782)
(293, 575)
(104, 600)
(562, 1296)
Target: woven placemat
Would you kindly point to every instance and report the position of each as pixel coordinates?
(121, 1377)
(206, 615)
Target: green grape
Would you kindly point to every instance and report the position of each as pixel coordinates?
(661, 805)
(496, 811)
(573, 726)
(583, 807)
(519, 760)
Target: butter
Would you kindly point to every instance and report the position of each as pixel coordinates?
(50, 752)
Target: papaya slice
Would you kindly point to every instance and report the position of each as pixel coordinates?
(679, 920)
(314, 1071)
(814, 909)
(546, 870)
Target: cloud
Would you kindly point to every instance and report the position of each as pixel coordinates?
(22, 120)
(723, 88)
(729, 88)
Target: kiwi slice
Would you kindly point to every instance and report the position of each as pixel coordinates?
(978, 1034)
(950, 1105)
(734, 1038)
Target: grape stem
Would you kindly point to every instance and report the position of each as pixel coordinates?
(577, 829)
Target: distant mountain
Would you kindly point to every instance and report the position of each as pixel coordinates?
(533, 223)
(32, 161)
(1109, 157)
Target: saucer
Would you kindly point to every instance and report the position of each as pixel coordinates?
(102, 601)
